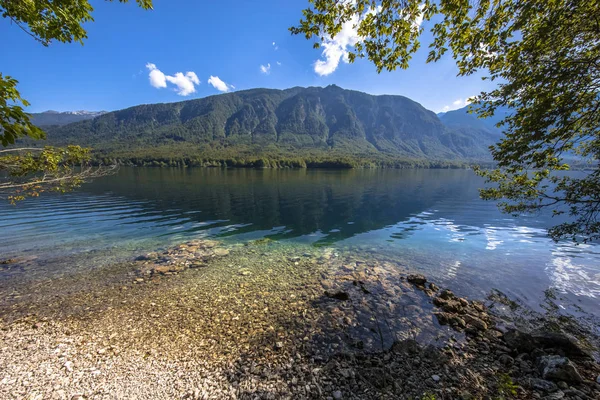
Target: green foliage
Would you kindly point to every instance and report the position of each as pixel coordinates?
(30, 172)
(14, 122)
(506, 386)
(546, 58)
(48, 20)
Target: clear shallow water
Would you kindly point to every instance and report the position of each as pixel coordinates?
(430, 220)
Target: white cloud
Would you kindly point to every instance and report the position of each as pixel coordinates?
(458, 103)
(337, 48)
(185, 83)
(265, 69)
(218, 84)
(275, 46)
(157, 78)
(279, 63)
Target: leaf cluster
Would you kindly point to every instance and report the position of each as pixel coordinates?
(30, 172)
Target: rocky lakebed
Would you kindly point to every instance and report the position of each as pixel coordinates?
(267, 320)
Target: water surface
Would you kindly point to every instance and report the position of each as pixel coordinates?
(430, 220)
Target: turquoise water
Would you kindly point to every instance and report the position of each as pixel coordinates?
(430, 220)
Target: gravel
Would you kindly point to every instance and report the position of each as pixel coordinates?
(142, 331)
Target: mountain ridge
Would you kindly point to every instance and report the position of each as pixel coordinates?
(288, 122)
(51, 117)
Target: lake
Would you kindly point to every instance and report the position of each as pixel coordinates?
(431, 221)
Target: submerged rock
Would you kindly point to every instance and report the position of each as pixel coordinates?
(417, 279)
(220, 252)
(338, 295)
(475, 322)
(558, 368)
(449, 306)
(447, 295)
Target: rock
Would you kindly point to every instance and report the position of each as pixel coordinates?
(558, 368)
(455, 321)
(598, 379)
(519, 340)
(450, 306)
(554, 396)
(542, 385)
(245, 272)
(164, 269)
(523, 341)
(337, 395)
(407, 346)
(443, 318)
(563, 385)
(436, 378)
(139, 280)
(447, 294)
(475, 322)
(433, 287)
(278, 345)
(220, 252)
(69, 366)
(450, 319)
(294, 259)
(417, 279)
(478, 306)
(78, 397)
(506, 360)
(560, 340)
(147, 257)
(339, 295)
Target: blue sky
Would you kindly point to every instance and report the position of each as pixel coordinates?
(134, 56)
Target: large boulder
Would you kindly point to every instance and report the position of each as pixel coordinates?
(520, 341)
(557, 368)
(527, 342)
(560, 340)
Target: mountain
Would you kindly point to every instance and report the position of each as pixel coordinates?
(461, 118)
(296, 122)
(50, 117)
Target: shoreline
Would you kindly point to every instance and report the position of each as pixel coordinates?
(205, 321)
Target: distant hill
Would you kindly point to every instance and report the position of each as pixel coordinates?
(463, 119)
(296, 122)
(50, 117)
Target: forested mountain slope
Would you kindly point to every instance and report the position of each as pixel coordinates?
(289, 122)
